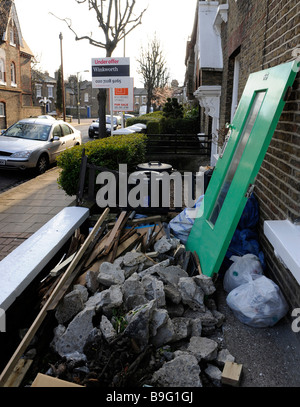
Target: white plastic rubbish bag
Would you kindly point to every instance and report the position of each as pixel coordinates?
(258, 303)
(243, 269)
(182, 224)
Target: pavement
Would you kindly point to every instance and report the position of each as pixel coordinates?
(270, 356)
(27, 207)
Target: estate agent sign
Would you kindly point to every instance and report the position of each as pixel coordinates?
(110, 72)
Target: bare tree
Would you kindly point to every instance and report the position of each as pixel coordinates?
(116, 19)
(153, 69)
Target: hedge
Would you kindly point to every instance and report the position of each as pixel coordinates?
(179, 126)
(108, 152)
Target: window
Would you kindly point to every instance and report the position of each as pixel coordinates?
(259, 98)
(57, 131)
(2, 110)
(66, 129)
(38, 91)
(2, 71)
(86, 97)
(50, 91)
(13, 74)
(12, 37)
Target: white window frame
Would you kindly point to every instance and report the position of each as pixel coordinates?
(13, 74)
(2, 71)
(2, 109)
(50, 91)
(86, 97)
(38, 89)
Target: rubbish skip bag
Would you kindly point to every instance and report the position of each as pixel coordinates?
(258, 303)
(182, 224)
(243, 270)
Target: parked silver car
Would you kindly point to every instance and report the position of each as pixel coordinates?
(36, 143)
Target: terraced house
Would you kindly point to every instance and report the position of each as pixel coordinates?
(15, 68)
(232, 39)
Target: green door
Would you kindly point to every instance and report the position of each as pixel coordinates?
(251, 131)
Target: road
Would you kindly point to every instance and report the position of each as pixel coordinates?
(9, 179)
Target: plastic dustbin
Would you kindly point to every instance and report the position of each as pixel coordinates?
(155, 166)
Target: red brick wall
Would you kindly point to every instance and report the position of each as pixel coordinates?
(267, 33)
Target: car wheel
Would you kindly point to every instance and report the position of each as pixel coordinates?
(42, 164)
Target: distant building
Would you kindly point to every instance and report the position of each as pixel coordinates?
(15, 69)
(44, 90)
(140, 99)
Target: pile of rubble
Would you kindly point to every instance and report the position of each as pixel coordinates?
(140, 321)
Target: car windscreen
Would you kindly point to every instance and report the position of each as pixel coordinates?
(30, 131)
(108, 120)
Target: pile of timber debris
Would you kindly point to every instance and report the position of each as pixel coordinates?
(132, 309)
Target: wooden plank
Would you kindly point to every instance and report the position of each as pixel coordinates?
(122, 248)
(118, 225)
(197, 262)
(43, 312)
(58, 268)
(231, 373)
(43, 380)
(18, 373)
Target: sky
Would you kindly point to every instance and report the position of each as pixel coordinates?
(170, 20)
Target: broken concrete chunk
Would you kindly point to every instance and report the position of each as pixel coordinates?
(191, 294)
(154, 290)
(133, 259)
(133, 292)
(207, 319)
(73, 339)
(91, 282)
(175, 310)
(83, 291)
(163, 245)
(182, 328)
(107, 329)
(159, 318)
(70, 305)
(203, 348)
(172, 293)
(112, 297)
(155, 268)
(183, 371)
(196, 327)
(214, 374)
(171, 274)
(206, 284)
(133, 286)
(138, 323)
(219, 317)
(165, 333)
(224, 356)
(110, 274)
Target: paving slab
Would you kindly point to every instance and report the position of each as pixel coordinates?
(25, 208)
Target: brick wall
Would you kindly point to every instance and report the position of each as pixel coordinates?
(265, 33)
